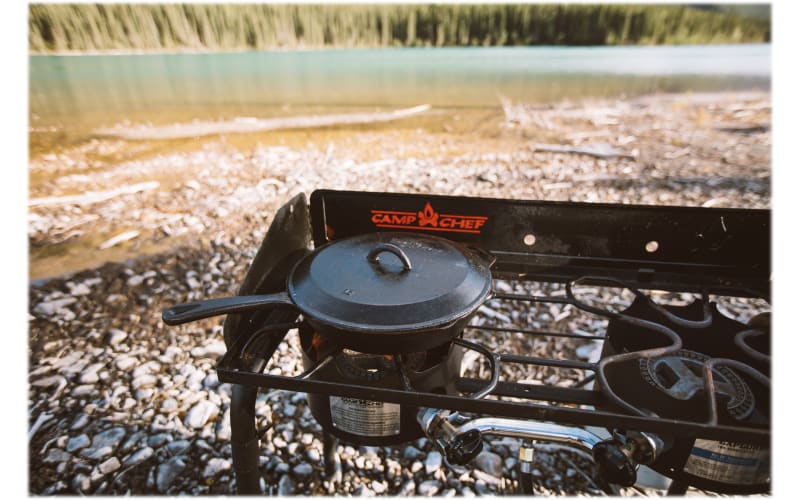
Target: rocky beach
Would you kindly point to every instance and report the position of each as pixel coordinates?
(120, 228)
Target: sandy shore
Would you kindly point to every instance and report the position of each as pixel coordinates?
(683, 149)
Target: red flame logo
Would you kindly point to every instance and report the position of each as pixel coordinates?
(428, 217)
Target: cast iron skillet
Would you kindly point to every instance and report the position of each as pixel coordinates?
(387, 292)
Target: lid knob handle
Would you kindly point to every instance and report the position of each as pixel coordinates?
(374, 255)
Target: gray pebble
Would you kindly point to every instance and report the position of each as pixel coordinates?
(429, 488)
(433, 462)
(211, 381)
(195, 381)
(78, 290)
(138, 457)
(78, 442)
(215, 348)
(285, 486)
(412, 453)
(104, 444)
(83, 390)
(489, 463)
(303, 471)
(589, 351)
(115, 337)
(200, 443)
(144, 395)
(81, 483)
(216, 466)
(158, 440)
(56, 455)
(200, 414)
(109, 465)
(89, 374)
(408, 488)
(178, 447)
(125, 363)
(135, 280)
(487, 478)
(169, 405)
(53, 307)
(224, 427)
(144, 381)
(147, 368)
(482, 489)
(168, 472)
(131, 441)
(80, 422)
(363, 491)
(378, 487)
(54, 488)
(313, 455)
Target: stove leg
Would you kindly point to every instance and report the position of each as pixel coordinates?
(333, 464)
(677, 488)
(244, 440)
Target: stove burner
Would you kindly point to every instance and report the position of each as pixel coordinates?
(369, 367)
(680, 375)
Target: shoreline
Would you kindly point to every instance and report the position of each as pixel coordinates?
(206, 51)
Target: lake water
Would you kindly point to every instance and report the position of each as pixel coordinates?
(82, 92)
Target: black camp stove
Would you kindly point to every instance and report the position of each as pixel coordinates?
(679, 387)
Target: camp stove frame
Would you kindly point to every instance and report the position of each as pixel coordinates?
(716, 251)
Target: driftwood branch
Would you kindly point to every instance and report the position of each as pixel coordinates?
(744, 129)
(92, 196)
(240, 125)
(598, 151)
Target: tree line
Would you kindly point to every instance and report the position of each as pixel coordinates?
(108, 27)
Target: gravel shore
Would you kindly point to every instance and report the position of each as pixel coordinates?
(120, 403)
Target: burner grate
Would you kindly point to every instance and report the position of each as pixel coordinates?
(512, 398)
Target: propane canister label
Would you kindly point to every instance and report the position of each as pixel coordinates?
(725, 462)
(365, 417)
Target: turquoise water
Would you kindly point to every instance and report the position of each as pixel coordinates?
(103, 90)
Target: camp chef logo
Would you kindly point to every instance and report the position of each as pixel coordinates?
(429, 220)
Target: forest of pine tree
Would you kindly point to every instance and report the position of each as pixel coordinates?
(109, 27)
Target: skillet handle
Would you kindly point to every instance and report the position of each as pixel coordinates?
(193, 311)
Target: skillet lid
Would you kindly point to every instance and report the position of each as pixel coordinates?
(390, 281)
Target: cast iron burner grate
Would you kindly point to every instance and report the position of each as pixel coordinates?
(567, 401)
(553, 250)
